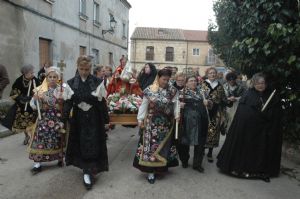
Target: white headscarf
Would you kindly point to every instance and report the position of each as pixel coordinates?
(53, 69)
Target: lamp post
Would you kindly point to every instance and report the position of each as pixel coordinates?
(112, 24)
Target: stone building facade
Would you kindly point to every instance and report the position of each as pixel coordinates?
(42, 32)
(184, 49)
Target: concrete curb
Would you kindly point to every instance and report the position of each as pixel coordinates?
(291, 152)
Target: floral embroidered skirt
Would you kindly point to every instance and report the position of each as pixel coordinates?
(156, 150)
(23, 120)
(45, 144)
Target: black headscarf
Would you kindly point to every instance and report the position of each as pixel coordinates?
(147, 79)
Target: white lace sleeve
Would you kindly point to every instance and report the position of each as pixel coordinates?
(143, 110)
(67, 91)
(32, 103)
(100, 92)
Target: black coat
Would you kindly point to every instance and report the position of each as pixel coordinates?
(87, 143)
(194, 123)
(254, 140)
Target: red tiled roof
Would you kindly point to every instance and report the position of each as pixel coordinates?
(195, 35)
(150, 33)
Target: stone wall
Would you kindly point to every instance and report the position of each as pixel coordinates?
(183, 54)
(24, 22)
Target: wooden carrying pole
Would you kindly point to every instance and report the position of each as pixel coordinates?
(62, 65)
(37, 103)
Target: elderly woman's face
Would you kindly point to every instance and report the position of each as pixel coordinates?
(260, 85)
(84, 70)
(29, 75)
(191, 83)
(147, 69)
(211, 74)
(163, 81)
(180, 81)
(52, 78)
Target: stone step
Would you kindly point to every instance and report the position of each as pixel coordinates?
(4, 131)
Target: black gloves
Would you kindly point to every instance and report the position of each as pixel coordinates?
(23, 99)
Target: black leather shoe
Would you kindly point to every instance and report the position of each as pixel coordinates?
(36, 170)
(210, 159)
(60, 163)
(151, 180)
(185, 165)
(265, 178)
(26, 140)
(199, 169)
(88, 186)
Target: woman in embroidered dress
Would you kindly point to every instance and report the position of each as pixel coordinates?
(194, 123)
(233, 91)
(18, 119)
(252, 148)
(214, 92)
(45, 145)
(156, 151)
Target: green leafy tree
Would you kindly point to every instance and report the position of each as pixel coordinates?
(263, 35)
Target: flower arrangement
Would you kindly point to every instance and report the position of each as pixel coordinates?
(119, 104)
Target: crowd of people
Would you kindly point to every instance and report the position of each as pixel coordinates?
(67, 121)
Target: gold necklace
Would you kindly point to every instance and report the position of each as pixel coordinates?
(24, 80)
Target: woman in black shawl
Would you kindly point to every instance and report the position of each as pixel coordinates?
(19, 117)
(87, 143)
(252, 148)
(147, 75)
(194, 124)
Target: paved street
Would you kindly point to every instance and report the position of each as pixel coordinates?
(123, 181)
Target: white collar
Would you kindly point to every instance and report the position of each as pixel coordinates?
(83, 79)
(213, 84)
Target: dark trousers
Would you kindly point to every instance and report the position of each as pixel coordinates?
(184, 154)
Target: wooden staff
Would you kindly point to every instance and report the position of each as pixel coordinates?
(37, 103)
(204, 98)
(28, 93)
(177, 116)
(267, 102)
(61, 65)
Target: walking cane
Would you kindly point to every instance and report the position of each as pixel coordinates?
(28, 93)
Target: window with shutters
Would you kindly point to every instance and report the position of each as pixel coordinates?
(96, 18)
(82, 50)
(95, 56)
(150, 53)
(196, 51)
(169, 54)
(124, 31)
(45, 52)
(82, 10)
(110, 58)
(211, 57)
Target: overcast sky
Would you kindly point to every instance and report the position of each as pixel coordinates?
(184, 14)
